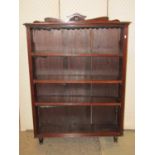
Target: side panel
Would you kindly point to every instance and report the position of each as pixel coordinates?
(124, 50)
(34, 110)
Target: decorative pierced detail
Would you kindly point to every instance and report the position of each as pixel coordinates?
(76, 17)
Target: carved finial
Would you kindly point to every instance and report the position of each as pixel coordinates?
(76, 17)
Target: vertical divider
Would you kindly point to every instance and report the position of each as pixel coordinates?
(91, 108)
(66, 63)
(65, 72)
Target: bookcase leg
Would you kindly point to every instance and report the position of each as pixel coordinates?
(115, 139)
(41, 140)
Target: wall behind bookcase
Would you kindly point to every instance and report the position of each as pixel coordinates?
(31, 10)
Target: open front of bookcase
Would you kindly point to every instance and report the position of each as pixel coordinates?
(77, 79)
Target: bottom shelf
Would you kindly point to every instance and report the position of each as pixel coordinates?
(77, 119)
(77, 128)
(80, 134)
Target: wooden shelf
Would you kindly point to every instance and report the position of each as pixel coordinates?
(87, 54)
(73, 77)
(75, 104)
(80, 134)
(74, 128)
(76, 100)
(78, 81)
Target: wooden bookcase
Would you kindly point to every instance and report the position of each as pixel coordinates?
(77, 77)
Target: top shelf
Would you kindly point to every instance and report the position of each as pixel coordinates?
(52, 53)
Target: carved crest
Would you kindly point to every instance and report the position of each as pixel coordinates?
(76, 17)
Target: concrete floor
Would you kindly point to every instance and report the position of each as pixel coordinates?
(77, 146)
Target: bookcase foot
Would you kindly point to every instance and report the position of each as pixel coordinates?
(41, 140)
(115, 139)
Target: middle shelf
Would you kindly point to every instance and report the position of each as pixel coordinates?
(77, 81)
(73, 93)
(76, 100)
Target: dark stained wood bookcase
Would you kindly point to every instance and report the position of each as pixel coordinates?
(77, 76)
